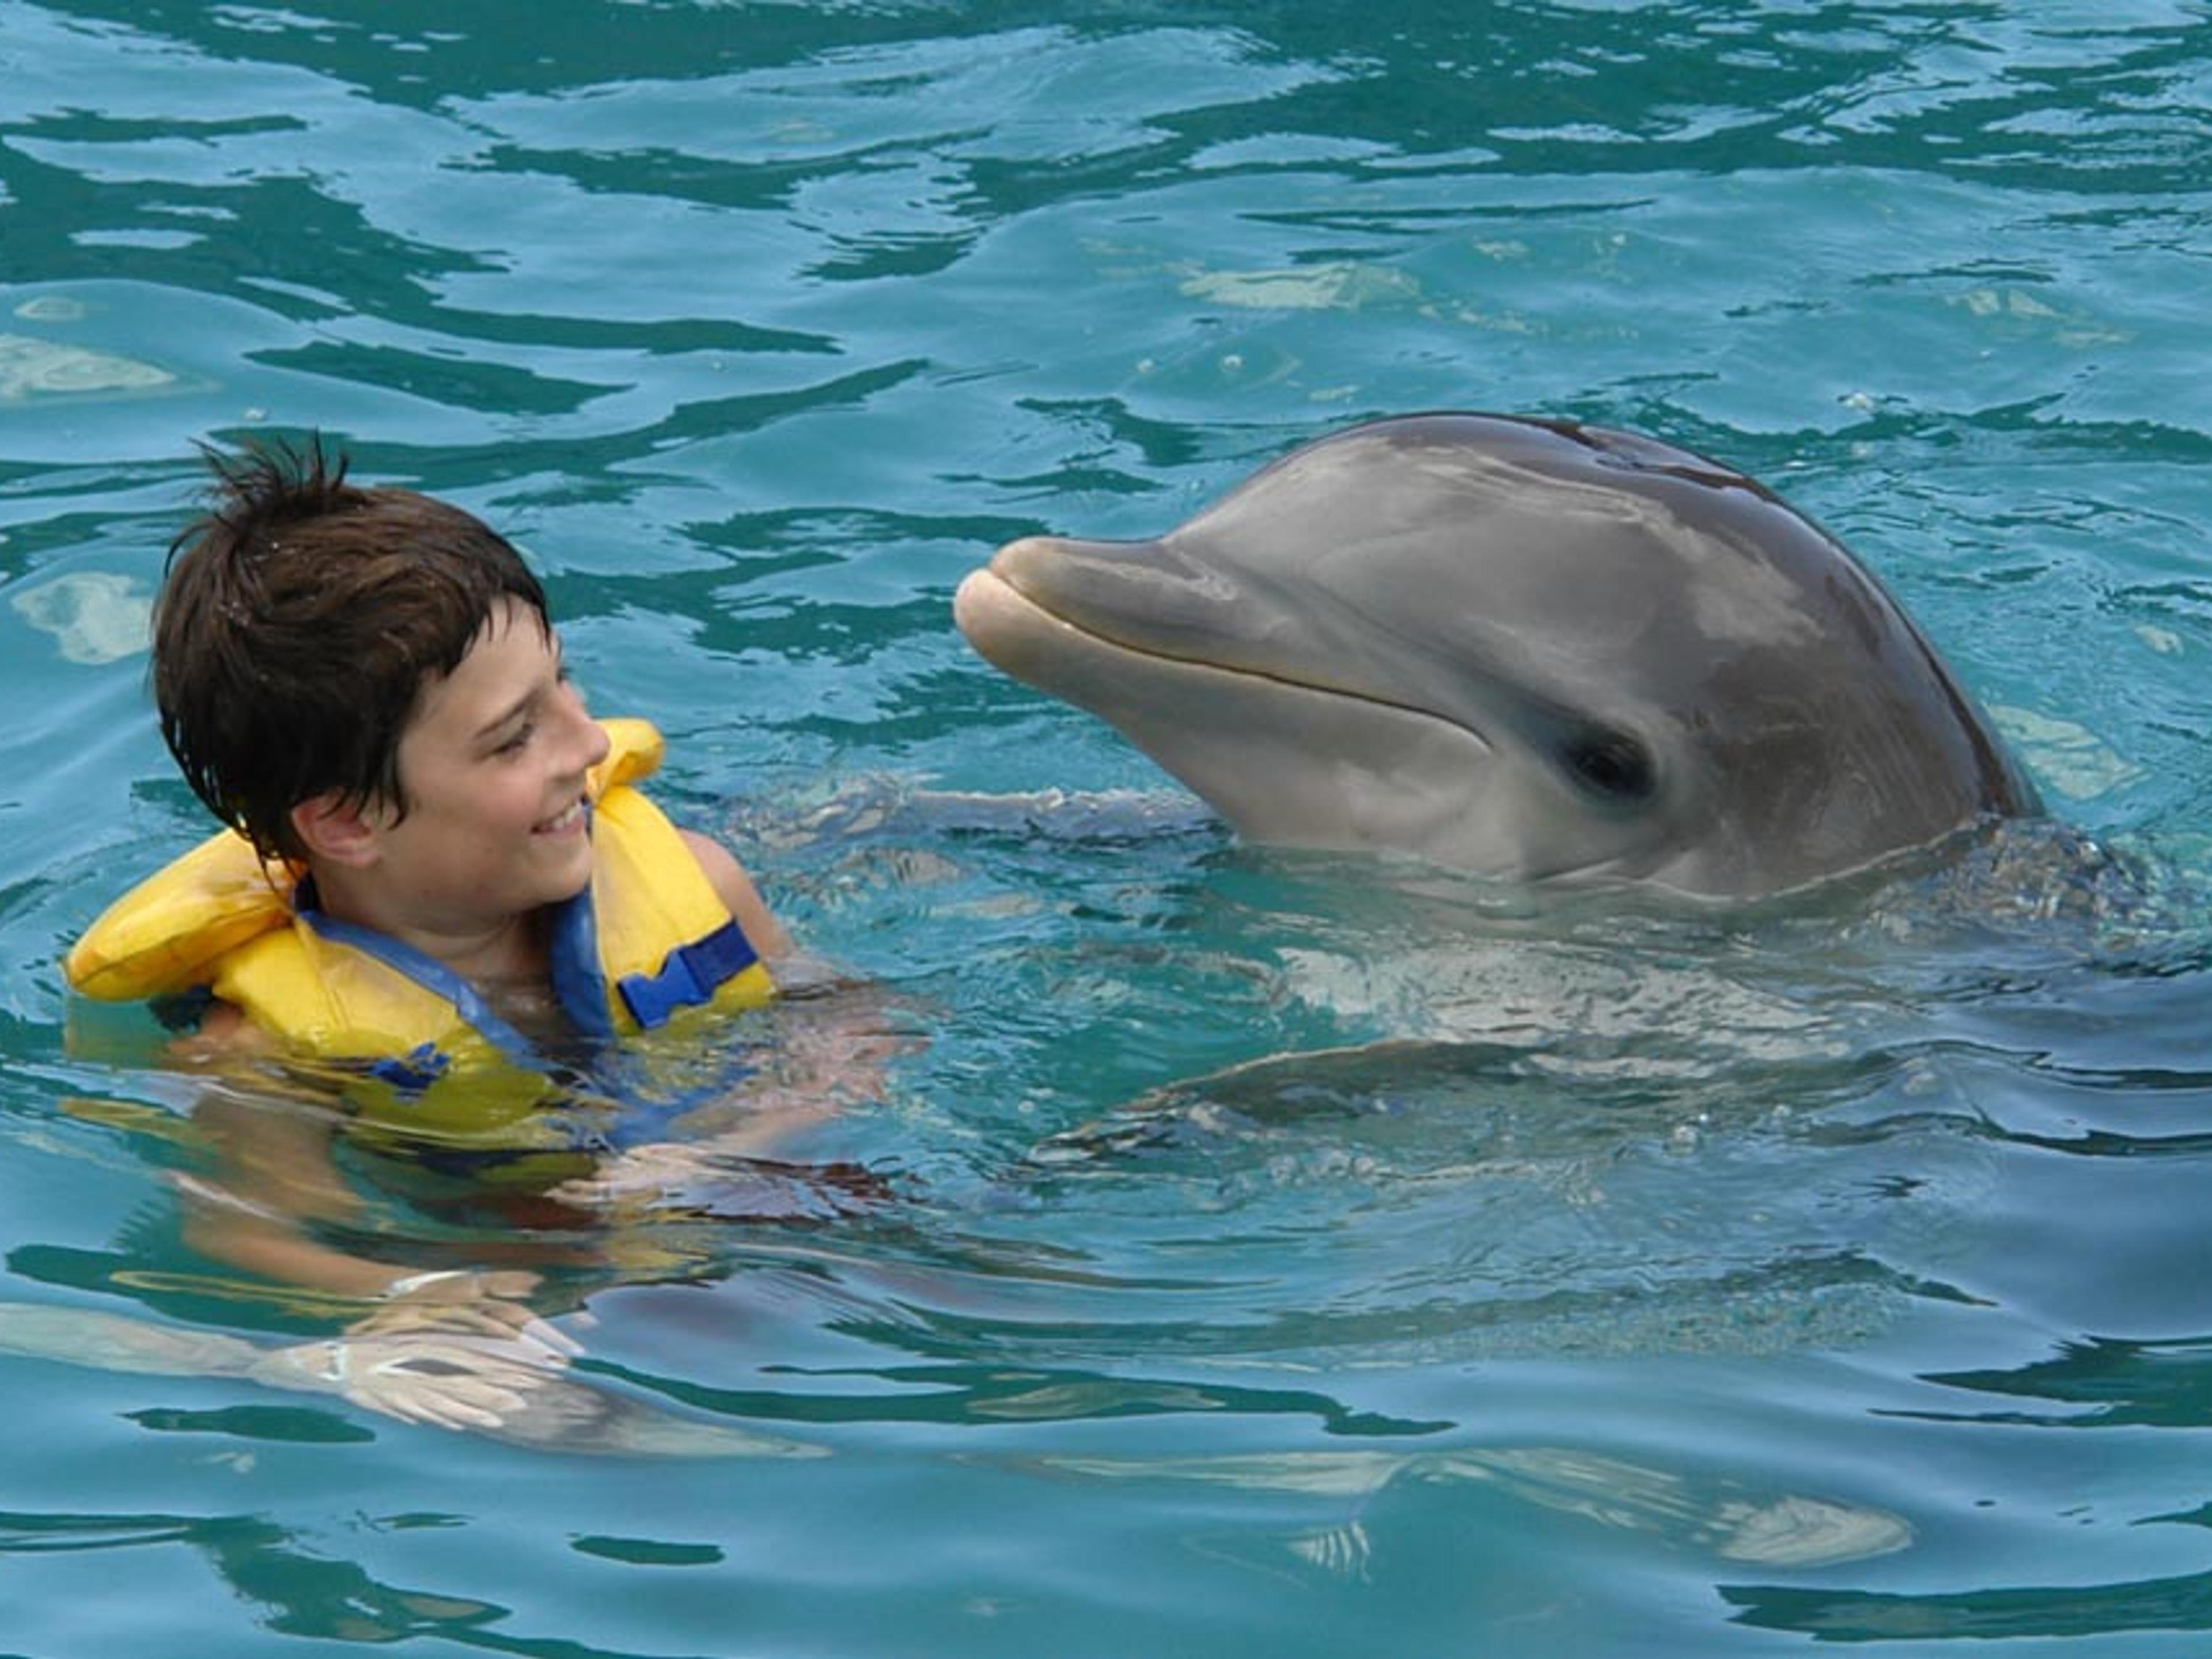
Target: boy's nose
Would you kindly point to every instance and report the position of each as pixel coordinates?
(589, 736)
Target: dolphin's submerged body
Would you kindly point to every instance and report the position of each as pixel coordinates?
(1530, 649)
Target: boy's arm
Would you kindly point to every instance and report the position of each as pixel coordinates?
(274, 1173)
(274, 1178)
(457, 1348)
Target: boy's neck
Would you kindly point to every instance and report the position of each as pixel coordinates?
(506, 953)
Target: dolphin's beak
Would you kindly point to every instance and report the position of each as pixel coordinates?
(1149, 597)
(1004, 628)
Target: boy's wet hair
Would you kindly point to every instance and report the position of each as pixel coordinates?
(301, 618)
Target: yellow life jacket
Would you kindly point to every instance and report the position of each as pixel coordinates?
(424, 1055)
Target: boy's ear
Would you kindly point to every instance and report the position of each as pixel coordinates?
(336, 830)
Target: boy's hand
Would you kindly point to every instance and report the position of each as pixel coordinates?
(480, 1307)
(449, 1382)
(666, 1174)
(457, 1350)
(673, 1179)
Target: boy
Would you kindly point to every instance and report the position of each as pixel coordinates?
(439, 884)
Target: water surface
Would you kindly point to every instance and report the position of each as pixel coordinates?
(1661, 1287)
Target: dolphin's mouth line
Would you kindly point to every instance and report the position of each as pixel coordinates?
(1115, 642)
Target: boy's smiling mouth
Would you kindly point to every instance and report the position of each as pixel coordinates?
(569, 818)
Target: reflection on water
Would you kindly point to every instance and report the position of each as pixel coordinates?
(2056, 1611)
(558, 1412)
(296, 1590)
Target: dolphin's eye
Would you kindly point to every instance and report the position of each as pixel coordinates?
(1611, 763)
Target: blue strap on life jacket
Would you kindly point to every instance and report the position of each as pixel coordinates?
(578, 985)
(690, 975)
(687, 977)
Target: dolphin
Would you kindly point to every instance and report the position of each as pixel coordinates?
(1532, 649)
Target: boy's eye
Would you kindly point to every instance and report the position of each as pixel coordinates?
(520, 739)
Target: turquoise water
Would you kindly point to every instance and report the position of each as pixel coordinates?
(1665, 1286)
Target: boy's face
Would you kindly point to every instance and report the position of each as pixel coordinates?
(493, 766)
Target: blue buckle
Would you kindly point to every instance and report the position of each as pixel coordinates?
(690, 975)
